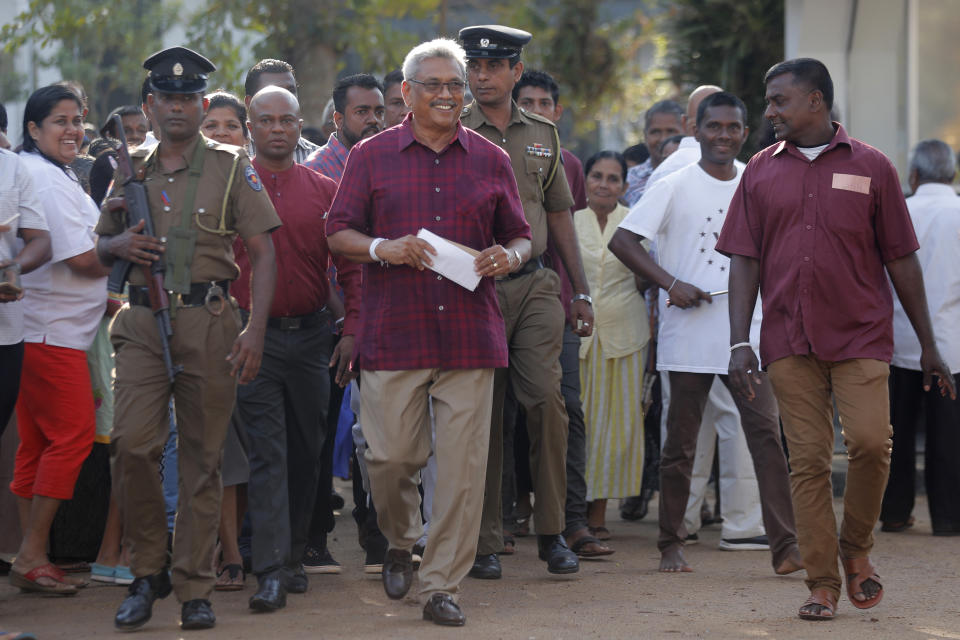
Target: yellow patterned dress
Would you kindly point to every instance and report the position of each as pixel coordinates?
(611, 364)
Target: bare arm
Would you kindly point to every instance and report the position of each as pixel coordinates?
(561, 229)
(907, 278)
(36, 249)
(248, 347)
(744, 287)
(87, 264)
(409, 250)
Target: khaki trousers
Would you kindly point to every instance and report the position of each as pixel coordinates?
(804, 386)
(204, 394)
(396, 424)
(534, 322)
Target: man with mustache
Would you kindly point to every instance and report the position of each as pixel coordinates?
(358, 114)
(284, 408)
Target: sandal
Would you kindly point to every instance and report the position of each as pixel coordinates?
(896, 527)
(509, 545)
(600, 533)
(581, 547)
(859, 573)
(821, 605)
(230, 578)
(30, 581)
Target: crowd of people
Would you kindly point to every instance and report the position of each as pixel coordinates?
(438, 301)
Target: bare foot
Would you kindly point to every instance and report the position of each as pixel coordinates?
(672, 561)
(794, 562)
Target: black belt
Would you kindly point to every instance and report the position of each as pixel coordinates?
(196, 298)
(295, 323)
(531, 265)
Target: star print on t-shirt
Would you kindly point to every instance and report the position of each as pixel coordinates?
(709, 234)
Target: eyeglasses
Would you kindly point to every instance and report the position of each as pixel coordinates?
(435, 86)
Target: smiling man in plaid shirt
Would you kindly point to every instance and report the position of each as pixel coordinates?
(423, 336)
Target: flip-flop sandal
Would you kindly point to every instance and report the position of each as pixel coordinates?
(601, 533)
(578, 547)
(823, 599)
(230, 578)
(859, 571)
(29, 581)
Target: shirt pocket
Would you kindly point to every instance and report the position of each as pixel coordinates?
(849, 214)
(535, 176)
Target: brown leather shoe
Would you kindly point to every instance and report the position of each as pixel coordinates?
(397, 573)
(442, 610)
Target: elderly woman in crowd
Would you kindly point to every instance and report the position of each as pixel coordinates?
(225, 121)
(63, 303)
(611, 360)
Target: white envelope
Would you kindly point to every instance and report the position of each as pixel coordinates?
(452, 261)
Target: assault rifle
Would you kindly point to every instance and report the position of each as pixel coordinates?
(138, 208)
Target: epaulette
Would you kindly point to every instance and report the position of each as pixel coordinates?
(222, 146)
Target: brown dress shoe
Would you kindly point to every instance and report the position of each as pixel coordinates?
(397, 573)
(442, 610)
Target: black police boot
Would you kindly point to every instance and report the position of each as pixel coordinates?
(137, 607)
(559, 558)
(271, 593)
(197, 614)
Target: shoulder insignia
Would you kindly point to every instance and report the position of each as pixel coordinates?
(252, 178)
(538, 150)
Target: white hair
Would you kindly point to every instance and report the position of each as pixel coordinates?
(439, 48)
(933, 160)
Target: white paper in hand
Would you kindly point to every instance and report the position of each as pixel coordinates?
(451, 261)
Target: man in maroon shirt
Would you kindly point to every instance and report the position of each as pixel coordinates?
(284, 409)
(816, 225)
(423, 335)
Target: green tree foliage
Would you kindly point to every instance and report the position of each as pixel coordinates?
(730, 43)
(100, 44)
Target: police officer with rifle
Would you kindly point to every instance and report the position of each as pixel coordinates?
(181, 333)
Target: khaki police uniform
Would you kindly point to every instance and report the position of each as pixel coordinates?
(534, 318)
(229, 200)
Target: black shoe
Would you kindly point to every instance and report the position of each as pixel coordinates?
(271, 594)
(137, 607)
(376, 550)
(442, 610)
(633, 508)
(336, 500)
(295, 580)
(556, 553)
(397, 574)
(486, 567)
(197, 614)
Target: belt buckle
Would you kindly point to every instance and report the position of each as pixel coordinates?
(290, 324)
(215, 300)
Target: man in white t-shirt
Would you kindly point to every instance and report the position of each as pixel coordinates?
(684, 213)
(24, 246)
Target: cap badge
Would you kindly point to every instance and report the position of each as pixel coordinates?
(484, 42)
(178, 69)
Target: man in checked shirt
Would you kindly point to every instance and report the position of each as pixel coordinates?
(423, 336)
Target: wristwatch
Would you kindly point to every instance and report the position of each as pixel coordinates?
(584, 297)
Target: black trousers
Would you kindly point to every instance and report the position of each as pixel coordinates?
(912, 409)
(11, 362)
(284, 413)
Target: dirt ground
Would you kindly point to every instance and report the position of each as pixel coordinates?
(729, 595)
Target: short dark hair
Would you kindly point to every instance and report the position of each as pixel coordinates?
(39, 105)
(226, 99)
(3, 118)
(362, 80)
(541, 80)
(810, 72)
(670, 107)
(612, 155)
(721, 99)
(145, 89)
(392, 78)
(108, 130)
(671, 140)
(268, 65)
(637, 153)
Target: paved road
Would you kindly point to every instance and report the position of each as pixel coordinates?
(730, 595)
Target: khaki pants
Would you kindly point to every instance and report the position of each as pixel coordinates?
(804, 386)
(396, 424)
(204, 394)
(534, 322)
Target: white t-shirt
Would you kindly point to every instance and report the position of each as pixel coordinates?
(683, 213)
(935, 212)
(62, 308)
(812, 152)
(17, 198)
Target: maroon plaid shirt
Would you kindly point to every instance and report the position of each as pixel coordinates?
(394, 186)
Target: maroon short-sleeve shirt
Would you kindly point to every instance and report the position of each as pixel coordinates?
(822, 230)
(393, 186)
